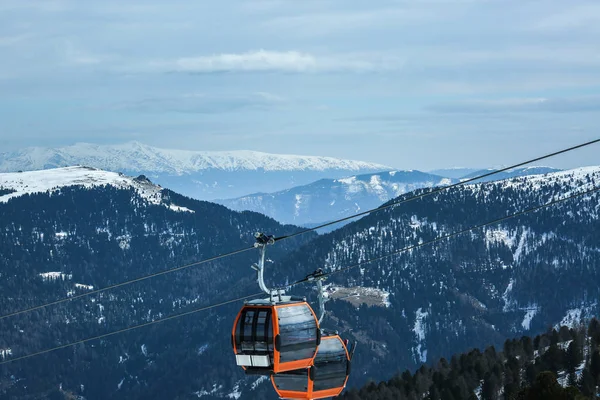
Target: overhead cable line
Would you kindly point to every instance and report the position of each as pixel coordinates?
(437, 190)
(105, 335)
(405, 249)
(383, 207)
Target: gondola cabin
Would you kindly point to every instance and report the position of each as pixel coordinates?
(326, 378)
(270, 337)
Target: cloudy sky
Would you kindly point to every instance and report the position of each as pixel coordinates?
(409, 83)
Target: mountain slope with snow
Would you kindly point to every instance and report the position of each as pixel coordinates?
(511, 173)
(199, 174)
(478, 288)
(51, 180)
(329, 199)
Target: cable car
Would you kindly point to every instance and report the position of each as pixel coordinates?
(276, 337)
(277, 334)
(280, 336)
(326, 378)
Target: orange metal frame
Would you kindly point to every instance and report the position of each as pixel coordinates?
(277, 365)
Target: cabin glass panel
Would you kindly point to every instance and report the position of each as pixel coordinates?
(296, 381)
(298, 333)
(254, 331)
(330, 365)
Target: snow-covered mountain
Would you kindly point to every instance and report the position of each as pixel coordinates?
(17, 184)
(479, 288)
(200, 174)
(329, 199)
(79, 228)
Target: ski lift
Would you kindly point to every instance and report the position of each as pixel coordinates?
(326, 378)
(277, 334)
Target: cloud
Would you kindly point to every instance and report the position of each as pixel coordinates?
(276, 61)
(199, 103)
(520, 105)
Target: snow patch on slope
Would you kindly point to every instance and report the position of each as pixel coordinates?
(576, 316)
(499, 235)
(572, 319)
(508, 304)
(531, 312)
(235, 393)
(258, 382)
(85, 287)
(55, 276)
(419, 329)
(5, 353)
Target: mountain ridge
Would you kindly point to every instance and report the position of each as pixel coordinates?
(328, 199)
(174, 161)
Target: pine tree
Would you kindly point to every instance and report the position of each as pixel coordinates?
(595, 364)
(587, 383)
(574, 355)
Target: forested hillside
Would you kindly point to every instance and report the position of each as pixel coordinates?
(562, 364)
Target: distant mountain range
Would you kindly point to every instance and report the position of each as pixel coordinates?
(199, 174)
(329, 199)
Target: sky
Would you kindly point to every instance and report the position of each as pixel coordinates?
(415, 84)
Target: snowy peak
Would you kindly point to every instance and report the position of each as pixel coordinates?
(391, 183)
(328, 199)
(137, 157)
(19, 183)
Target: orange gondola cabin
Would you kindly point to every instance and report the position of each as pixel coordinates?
(326, 378)
(273, 337)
